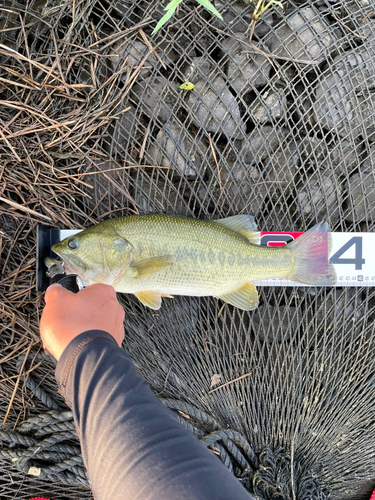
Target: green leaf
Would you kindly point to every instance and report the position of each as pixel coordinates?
(210, 7)
(173, 5)
(163, 20)
(187, 86)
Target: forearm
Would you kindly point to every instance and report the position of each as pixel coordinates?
(133, 446)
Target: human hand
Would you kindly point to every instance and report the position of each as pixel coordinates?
(69, 314)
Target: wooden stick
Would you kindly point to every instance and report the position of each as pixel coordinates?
(235, 380)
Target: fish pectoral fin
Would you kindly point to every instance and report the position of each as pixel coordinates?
(245, 298)
(243, 224)
(151, 299)
(153, 265)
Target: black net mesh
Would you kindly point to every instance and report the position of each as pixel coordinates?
(280, 124)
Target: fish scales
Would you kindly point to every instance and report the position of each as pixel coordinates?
(208, 259)
(158, 254)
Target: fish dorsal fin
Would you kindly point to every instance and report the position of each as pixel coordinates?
(150, 266)
(245, 298)
(151, 299)
(243, 224)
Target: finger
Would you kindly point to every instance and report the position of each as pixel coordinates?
(99, 289)
(55, 291)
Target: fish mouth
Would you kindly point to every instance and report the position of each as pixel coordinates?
(74, 265)
(67, 267)
(71, 263)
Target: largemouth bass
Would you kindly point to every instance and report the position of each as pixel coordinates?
(160, 255)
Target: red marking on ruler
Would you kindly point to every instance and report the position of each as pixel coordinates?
(277, 241)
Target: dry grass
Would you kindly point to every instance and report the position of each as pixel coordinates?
(50, 128)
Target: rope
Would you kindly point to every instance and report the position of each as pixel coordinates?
(33, 386)
(41, 421)
(58, 427)
(193, 412)
(40, 393)
(48, 438)
(231, 446)
(47, 446)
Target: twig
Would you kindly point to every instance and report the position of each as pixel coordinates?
(122, 191)
(110, 170)
(39, 66)
(217, 166)
(10, 146)
(83, 50)
(275, 56)
(166, 380)
(266, 56)
(153, 51)
(29, 13)
(221, 309)
(17, 84)
(366, 16)
(143, 147)
(116, 36)
(17, 381)
(282, 58)
(347, 27)
(24, 209)
(110, 17)
(235, 380)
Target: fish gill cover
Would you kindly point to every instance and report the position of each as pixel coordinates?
(279, 125)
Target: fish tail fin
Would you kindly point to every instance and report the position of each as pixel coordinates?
(311, 257)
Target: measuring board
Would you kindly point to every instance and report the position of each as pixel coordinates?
(353, 255)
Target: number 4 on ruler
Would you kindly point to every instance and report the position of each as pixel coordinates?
(358, 261)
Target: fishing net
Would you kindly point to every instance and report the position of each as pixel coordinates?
(280, 125)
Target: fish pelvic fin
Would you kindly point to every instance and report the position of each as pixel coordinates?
(245, 297)
(243, 224)
(151, 299)
(311, 257)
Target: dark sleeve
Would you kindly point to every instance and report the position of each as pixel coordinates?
(133, 446)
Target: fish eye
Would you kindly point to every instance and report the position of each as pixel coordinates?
(73, 244)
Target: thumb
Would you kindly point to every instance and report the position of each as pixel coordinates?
(55, 291)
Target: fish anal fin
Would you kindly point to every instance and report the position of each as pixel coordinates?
(152, 265)
(243, 224)
(151, 299)
(245, 298)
